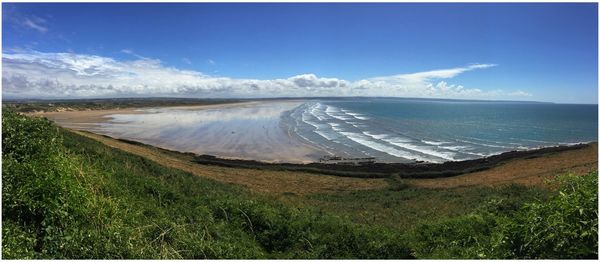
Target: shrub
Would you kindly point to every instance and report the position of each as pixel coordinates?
(565, 226)
(397, 183)
(41, 196)
(461, 237)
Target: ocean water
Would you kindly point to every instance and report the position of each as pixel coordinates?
(405, 130)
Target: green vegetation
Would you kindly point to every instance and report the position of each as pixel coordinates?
(107, 103)
(67, 196)
(76, 198)
(403, 207)
(564, 226)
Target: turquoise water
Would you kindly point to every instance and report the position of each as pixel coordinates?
(404, 130)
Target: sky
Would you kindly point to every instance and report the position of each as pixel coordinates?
(534, 52)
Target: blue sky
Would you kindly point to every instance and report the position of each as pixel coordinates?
(541, 52)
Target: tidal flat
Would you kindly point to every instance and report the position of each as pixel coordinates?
(250, 130)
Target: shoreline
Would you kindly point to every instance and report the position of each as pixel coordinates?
(532, 170)
(296, 154)
(250, 130)
(416, 170)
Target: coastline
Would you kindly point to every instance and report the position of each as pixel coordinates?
(249, 130)
(284, 149)
(531, 168)
(417, 170)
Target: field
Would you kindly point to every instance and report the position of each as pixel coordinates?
(69, 194)
(107, 103)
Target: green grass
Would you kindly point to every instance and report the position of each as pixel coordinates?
(407, 208)
(76, 198)
(67, 196)
(563, 226)
(107, 103)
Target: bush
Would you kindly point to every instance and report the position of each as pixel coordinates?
(42, 201)
(396, 183)
(565, 226)
(461, 237)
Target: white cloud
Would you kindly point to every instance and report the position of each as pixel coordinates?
(520, 93)
(428, 75)
(37, 74)
(13, 17)
(211, 62)
(312, 81)
(35, 23)
(130, 52)
(186, 60)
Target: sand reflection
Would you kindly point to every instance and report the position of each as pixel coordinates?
(248, 131)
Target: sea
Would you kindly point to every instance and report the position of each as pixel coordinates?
(408, 130)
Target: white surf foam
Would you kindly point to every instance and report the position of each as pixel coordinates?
(435, 143)
(337, 113)
(422, 149)
(355, 115)
(361, 139)
(335, 126)
(312, 123)
(313, 112)
(325, 135)
(481, 144)
(331, 109)
(456, 148)
(375, 136)
(343, 118)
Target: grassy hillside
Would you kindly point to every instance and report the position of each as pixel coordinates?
(67, 196)
(70, 197)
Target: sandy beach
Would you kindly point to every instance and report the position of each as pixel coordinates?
(248, 130)
(81, 119)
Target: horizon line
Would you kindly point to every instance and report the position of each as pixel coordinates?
(283, 97)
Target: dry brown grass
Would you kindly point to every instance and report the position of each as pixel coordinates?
(256, 180)
(532, 171)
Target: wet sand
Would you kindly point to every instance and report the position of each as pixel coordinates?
(248, 130)
(252, 131)
(89, 118)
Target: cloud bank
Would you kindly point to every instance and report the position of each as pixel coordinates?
(33, 74)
